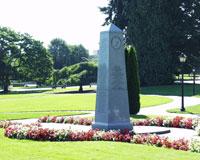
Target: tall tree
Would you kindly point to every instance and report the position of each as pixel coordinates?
(61, 53)
(36, 63)
(160, 30)
(9, 55)
(151, 30)
(22, 57)
(133, 83)
(66, 55)
(78, 54)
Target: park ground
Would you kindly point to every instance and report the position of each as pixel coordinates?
(22, 105)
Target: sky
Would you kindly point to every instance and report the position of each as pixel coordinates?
(75, 21)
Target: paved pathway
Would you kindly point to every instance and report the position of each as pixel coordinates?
(162, 109)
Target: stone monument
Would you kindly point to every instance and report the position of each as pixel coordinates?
(112, 107)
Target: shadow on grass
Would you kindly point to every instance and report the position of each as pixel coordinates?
(76, 92)
(177, 110)
(140, 116)
(171, 90)
(22, 92)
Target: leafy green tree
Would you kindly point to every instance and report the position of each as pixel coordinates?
(37, 63)
(66, 55)
(22, 57)
(133, 82)
(80, 74)
(61, 53)
(78, 54)
(191, 22)
(9, 55)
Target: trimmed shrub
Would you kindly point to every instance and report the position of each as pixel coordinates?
(133, 82)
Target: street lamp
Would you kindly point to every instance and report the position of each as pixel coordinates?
(182, 59)
(193, 71)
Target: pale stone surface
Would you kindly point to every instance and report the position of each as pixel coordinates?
(112, 109)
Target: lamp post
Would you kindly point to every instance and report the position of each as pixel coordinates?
(193, 71)
(182, 59)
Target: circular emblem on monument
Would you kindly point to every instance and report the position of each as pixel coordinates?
(116, 42)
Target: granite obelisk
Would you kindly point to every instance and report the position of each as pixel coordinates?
(112, 107)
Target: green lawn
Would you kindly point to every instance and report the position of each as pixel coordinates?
(26, 115)
(186, 76)
(149, 101)
(170, 90)
(48, 102)
(189, 110)
(12, 149)
(67, 89)
(56, 102)
(138, 117)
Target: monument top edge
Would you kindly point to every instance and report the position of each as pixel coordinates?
(111, 28)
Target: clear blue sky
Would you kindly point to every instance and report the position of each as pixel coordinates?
(75, 21)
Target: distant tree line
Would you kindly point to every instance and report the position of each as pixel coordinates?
(159, 30)
(72, 65)
(23, 58)
(66, 55)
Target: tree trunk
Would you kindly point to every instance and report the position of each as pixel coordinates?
(6, 84)
(5, 88)
(81, 88)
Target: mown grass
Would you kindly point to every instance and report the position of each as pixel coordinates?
(14, 106)
(74, 88)
(139, 116)
(171, 90)
(189, 110)
(34, 150)
(149, 101)
(48, 102)
(26, 115)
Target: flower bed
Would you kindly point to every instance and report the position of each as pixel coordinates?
(198, 130)
(35, 132)
(195, 144)
(71, 120)
(158, 141)
(178, 122)
(5, 124)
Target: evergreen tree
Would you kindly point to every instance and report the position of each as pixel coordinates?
(133, 82)
(160, 30)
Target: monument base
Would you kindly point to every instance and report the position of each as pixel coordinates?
(113, 126)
